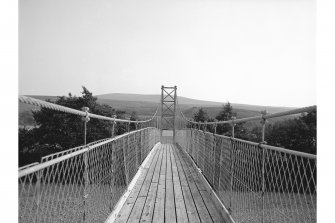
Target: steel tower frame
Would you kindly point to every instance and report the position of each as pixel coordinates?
(168, 108)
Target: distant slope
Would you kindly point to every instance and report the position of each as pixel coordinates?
(155, 98)
(187, 101)
(146, 105)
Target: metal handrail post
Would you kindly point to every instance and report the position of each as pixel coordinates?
(232, 142)
(233, 127)
(125, 159)
(162, 99)
(136, 149)
(113, 126)
(85, 184)
(38, 188)
(263, 122)
(174, 114)
(85, 119)
(112, 175)
(263, 180)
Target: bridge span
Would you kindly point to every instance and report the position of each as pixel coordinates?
(192, 175)
(169, 189)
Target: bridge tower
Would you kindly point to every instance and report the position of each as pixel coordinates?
(168, 109)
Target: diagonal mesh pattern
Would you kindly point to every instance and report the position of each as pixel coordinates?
(255, 182)
(83, 184)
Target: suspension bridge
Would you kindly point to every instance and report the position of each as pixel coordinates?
(169, 169)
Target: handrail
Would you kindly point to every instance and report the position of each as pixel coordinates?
(253, 180)
(87, 182)
(40, 166)
(265, 146)
(45, 104)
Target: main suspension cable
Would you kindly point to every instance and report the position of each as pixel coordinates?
(53, 106)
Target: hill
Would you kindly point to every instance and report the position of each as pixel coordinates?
(146, 105)
(153, 98)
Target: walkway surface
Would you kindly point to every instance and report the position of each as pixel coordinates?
(169, 190)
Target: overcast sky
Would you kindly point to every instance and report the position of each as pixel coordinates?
(243, 51)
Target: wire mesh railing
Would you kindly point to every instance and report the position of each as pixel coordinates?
(255, 182)
(61, 127)
(83, 184)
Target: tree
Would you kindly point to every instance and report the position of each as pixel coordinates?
(59, 131)
(227, 114)
(133, 117)
(297, 134)
(210, 128)
(224, 115)
(200, 116)
(67, 130)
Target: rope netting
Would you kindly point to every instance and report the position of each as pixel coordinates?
(56, 107)
(83, 184)
(254, 181)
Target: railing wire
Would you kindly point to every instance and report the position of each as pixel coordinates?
(83, 184)
(254, 181)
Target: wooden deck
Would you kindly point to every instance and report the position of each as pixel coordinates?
(169, 190)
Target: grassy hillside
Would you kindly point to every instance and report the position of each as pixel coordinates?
(146, 105)
(187, 101)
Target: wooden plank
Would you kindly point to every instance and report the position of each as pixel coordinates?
(215, 214)
(163, 165)
(170, 190)
(170, 209)
(181, 212)
(149, 205)
(128, 206)
(155, 177)
(146, 185)
(159, 210)
(191, 210)
(217, 210)
(137, 210)
(175, 175)
(192, 170)
(200, 205)
(168, 164)
(182, 177)
(148, 210)
(160, 202)
(139, 205)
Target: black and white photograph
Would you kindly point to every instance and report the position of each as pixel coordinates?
(168, 111)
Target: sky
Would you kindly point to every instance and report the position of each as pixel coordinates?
(258, 52)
